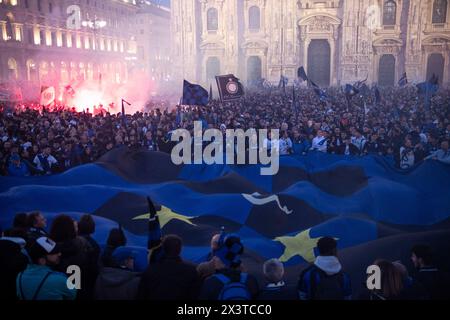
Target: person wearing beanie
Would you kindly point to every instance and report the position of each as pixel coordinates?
(324, 279)
(229, 282)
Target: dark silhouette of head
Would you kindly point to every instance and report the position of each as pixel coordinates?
(172, 245)
(327, 246)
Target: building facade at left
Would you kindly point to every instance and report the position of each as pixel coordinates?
(57, 42)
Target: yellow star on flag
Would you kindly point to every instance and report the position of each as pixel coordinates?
(165, 216)
(300, 245)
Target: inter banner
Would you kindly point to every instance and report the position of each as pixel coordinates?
(48, 95)
(230, 88)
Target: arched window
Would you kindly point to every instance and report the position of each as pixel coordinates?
(254, 18)
(213, 19)
(32, 74)
(12, 69)
(64, 73)
(43, 71)
(389, 13)
(439, 11)
(212, 68)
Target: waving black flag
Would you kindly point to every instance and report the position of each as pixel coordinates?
(301, 73)
(230, 88)
(403, 80)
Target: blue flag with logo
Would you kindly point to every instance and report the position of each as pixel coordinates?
(230, 88)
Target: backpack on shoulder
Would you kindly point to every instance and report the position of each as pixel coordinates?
(234, 290)
(326, 287)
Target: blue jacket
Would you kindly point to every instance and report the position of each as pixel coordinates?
(20, 171)
(301, 147)
(53, 288)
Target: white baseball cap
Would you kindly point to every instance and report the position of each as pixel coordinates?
(49, 246)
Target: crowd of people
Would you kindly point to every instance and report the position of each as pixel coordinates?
(34, 259)
(34, 262)
(399, 126)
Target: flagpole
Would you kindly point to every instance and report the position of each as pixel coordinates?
(282, 48)
(124, 122)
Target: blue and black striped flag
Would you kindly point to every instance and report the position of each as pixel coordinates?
(320, 92)
(403, 80)
(194, 95)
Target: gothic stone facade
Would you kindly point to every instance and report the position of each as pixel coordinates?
(337, 41)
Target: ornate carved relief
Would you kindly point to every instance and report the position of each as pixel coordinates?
(319, 24)
(387, 46)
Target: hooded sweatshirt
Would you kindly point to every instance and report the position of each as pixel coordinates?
(329, 264)
(117, 284)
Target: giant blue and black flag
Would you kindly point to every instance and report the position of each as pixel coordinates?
(194, 95)
(371, 208)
